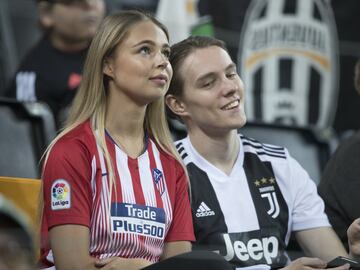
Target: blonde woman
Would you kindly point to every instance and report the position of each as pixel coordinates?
(115, 194)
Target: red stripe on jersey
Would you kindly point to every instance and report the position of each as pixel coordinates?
(159, 201)
(134, 172)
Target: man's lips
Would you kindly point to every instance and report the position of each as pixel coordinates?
(231, 105)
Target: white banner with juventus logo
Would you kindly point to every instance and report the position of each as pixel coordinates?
(289, 63)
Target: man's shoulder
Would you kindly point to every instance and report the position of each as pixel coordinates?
(267, 151)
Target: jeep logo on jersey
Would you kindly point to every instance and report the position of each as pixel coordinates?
(267, 191)
(261, 250)
(288, 62)
(138, 219)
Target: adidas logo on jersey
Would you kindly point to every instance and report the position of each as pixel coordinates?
(204, 211)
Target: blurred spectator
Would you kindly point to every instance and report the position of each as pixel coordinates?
(51, 71)
(16, 244)
(340, 184)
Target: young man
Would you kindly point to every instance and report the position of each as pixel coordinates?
(247, 197)
(51, 71)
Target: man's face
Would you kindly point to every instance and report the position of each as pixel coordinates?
(75, 20)
(213, 95)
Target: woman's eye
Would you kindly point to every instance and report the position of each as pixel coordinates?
(145, 50)
(166, 53)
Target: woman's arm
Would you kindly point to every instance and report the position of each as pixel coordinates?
(174, 248)
(70, 246)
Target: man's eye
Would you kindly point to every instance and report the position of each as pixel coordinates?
(231, 75)
(208, 84)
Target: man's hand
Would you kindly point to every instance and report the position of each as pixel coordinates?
(311, 263)
(353, 234)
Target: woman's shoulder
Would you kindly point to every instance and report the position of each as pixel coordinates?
(79, 138)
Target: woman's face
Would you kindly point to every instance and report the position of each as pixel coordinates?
(213, 93)
(139, 68)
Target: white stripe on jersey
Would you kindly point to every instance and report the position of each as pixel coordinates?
(146, 180)
(100, 221)
(126, 184)
(93, 178)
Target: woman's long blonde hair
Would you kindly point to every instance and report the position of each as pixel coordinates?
(90, 100)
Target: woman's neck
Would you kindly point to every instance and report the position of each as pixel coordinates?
(125, 124)
(221, 151)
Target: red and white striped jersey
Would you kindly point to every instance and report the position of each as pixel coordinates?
(149, 204)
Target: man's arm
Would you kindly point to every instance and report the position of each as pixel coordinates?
(321, 242)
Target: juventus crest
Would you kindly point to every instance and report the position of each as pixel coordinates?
(288, 61)
(268, 193)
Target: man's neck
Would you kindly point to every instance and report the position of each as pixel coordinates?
(67, 46)
(221, 151)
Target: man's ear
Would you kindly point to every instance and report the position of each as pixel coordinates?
(45, 14)
(108, 68)
(175, 105)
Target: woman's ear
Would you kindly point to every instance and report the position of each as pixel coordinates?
(108, 68)
(175, 105)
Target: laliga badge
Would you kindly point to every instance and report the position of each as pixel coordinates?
(60, 195)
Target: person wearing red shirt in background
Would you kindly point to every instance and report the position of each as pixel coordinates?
(51, 70)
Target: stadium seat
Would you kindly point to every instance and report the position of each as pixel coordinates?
(25, 194)
(310, 147)
(26, 130)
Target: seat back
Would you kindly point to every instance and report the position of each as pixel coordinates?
(26, 130)
(306, 145)
(25, 194)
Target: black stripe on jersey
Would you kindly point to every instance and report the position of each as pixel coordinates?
(180, 148)
(260, 175)
(178, 145)
(270, 155)
(203, 192)
(264, 149)
(265, 145)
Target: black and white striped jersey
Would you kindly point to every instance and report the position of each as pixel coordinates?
(248, 215)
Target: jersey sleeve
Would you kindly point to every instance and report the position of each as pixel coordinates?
(308, 208)
(67, 184)
(181, 228)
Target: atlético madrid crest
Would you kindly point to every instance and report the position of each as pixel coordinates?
(289, 63)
